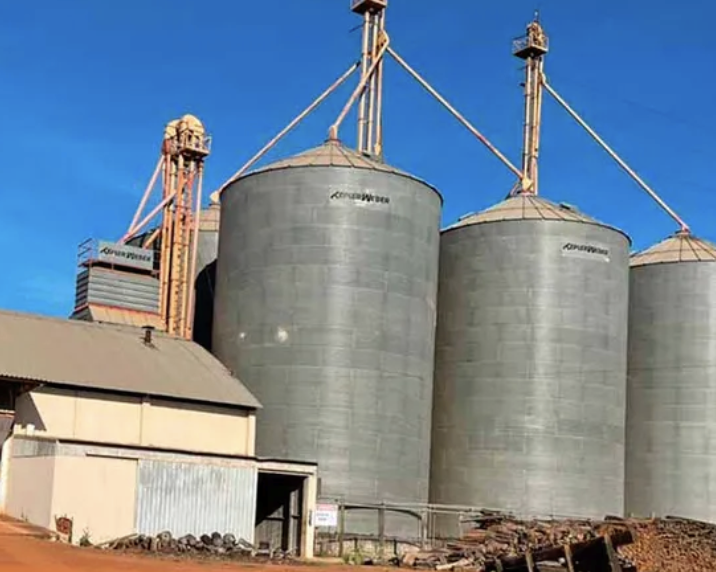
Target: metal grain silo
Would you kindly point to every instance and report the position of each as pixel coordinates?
(671, 425)
(531, 346)
(204, 280)
(325, 309)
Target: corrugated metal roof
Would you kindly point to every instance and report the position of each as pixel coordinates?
(332, 154)
(680, 247)
(114, 357)
(529, 207)
(525, 207)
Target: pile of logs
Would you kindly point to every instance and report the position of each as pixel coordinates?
(216, 544)
(501, 543)
(504, 544)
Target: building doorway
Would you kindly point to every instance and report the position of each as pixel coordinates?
(280, 512)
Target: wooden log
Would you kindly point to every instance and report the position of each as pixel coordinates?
(612, 554)
(568, 558)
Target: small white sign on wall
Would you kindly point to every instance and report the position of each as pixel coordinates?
(326, 515)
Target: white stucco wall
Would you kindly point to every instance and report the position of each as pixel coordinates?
(133, 421)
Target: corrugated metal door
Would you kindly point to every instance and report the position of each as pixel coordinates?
(189, 498)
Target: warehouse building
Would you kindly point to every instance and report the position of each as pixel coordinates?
(127, 430)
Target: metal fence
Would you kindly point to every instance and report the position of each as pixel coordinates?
(394, 529)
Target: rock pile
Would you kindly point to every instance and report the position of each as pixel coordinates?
(672, 545)
(215, 544)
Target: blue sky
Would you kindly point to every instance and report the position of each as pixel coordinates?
(86, 87)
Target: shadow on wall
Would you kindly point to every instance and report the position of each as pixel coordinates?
(26, 412)
(204, 305)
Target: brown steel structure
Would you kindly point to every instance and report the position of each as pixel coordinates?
(184, 149)
(370, 106)
(683, 227)
(369, 95)
(186, 145)
(532, 48)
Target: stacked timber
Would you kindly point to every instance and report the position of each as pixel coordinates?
(501, 543)
(655, 545)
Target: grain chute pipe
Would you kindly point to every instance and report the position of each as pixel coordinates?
(152, 237)
(372, 83)
(333, 131)
(378, 142)
(459, 117)
(613, 155)
(147, 193)
(300, 117)
(365, 56)
(137, 227)
(190, 305)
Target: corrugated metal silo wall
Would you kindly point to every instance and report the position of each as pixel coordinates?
(204, 286)
(671, 423)
(116, 288)
(325, 308)
(530, 383)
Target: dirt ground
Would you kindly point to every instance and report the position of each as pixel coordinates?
(23, 549)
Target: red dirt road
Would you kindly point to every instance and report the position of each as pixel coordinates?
(22, 549)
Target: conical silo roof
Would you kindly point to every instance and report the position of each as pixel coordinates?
(526, 207)
(332, 154)
(680, 247)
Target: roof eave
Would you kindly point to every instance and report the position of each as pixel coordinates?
(34, 384)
